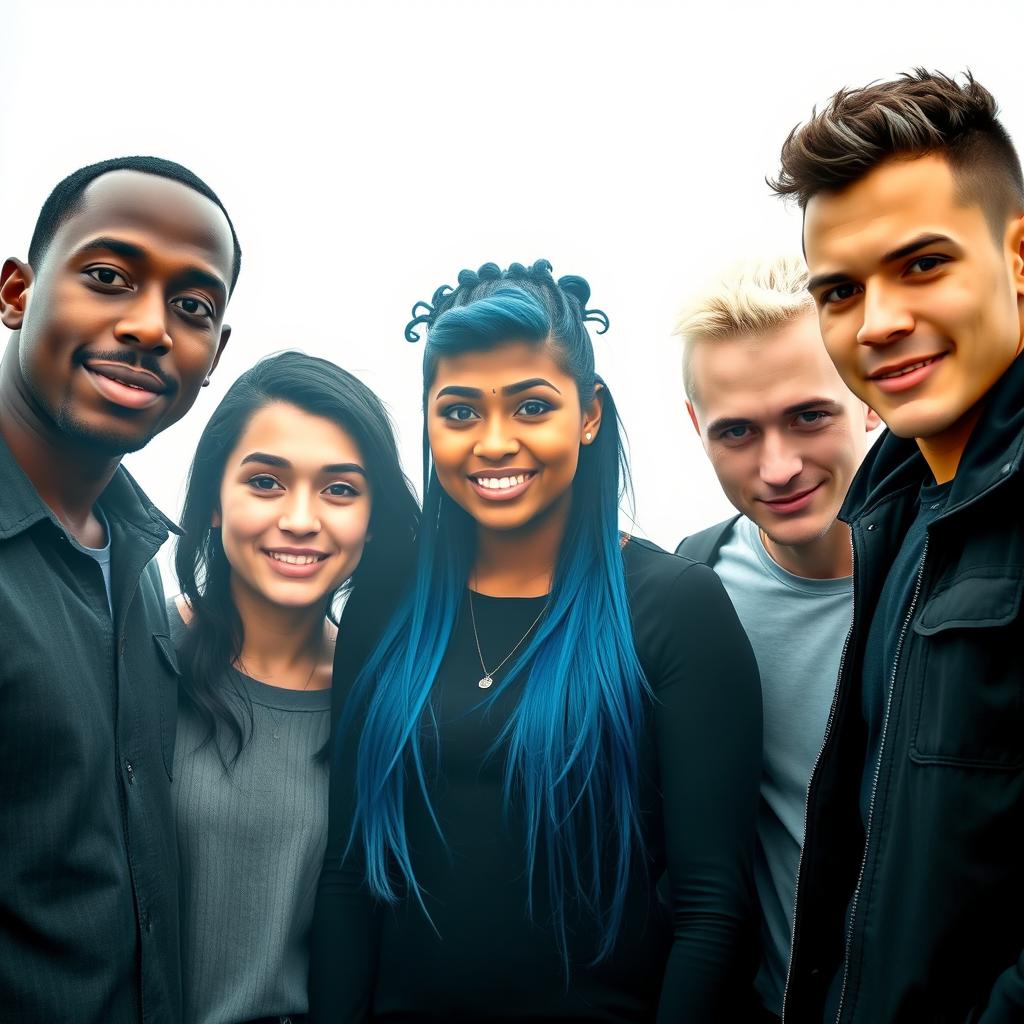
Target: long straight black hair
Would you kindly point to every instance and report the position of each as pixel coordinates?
(215, 634)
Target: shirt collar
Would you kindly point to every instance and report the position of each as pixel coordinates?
(21, 507)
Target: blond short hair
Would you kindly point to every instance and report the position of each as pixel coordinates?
(754, 298)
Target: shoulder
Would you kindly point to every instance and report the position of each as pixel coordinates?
(654, 575)
(681, 615)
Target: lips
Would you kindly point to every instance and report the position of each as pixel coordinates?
(503, 484)
(126, 386)
(896, 370)
(295, 563)
(795, 502)
(903, 376)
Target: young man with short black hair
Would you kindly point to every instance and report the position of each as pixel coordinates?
(785, 437)
(910, 899)
(118, 319)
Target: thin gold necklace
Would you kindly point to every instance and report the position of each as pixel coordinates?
(487, 679)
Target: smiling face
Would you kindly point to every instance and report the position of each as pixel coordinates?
(294, 507)
(919, 303)
(785, 436)
(123, 319)
(505, 429)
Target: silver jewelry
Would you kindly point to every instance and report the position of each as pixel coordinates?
(589, 436)
(487, 679)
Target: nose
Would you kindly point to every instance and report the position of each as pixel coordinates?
(144, 324)
(780, 462)
(886, 317)
(298, 513)
(495, 442)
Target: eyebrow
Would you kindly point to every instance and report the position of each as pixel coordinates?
(131, 251)
(726, 423)
(508, 389)
(892, 256)
(275, 460)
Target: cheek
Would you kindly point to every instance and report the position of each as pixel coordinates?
(731, 468)
(244, 518)
(446, 451)
(349, 526)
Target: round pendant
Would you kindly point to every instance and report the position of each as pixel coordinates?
(485, 683)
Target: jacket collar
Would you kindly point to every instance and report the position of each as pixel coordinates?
(993, 455)
(21, 507)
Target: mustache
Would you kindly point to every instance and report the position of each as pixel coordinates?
(143, 360)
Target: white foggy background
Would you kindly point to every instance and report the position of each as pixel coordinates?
(368, 151)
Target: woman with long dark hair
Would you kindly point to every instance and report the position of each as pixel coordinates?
(295, 496)
(556, 716)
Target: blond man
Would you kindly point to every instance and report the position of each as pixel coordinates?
(785, 437)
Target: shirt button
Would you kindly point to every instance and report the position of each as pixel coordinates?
(129, 771)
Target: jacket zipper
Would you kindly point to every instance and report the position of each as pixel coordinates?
(874, 781)
(814, 771)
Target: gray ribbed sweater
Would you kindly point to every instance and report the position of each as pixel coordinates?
(251, 844)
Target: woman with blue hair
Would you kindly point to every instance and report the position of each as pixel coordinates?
(556, 717)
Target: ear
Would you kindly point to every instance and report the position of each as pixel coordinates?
(693, 417)
(225, 333)
(871, 419)
(592, 417)
(1015, 238)
(15, 284)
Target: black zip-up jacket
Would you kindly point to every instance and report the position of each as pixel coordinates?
(935, 888)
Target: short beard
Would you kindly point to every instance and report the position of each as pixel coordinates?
(108, 445)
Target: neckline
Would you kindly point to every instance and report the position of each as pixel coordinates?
(477, 596)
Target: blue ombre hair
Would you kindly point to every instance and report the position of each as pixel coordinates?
(570, 746)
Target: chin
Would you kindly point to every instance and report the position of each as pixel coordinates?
(105, 438)
(795, 535)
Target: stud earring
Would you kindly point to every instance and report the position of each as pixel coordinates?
(589, 436)
(206, 383)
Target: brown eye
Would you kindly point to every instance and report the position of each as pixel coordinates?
(192, 306)
(107, 276)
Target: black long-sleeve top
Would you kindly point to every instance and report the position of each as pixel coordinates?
(484, 958)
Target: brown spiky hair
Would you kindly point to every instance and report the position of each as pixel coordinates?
(919, 113)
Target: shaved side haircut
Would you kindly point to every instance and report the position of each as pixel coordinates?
(918, 114)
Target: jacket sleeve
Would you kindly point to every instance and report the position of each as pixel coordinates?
(1006, 1000)
(707, 727)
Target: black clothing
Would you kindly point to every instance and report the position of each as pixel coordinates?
(937, 889)
(700, 764)
(882, 648)
(88, 887)
(705, 545)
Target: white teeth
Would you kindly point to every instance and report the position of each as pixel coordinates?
(280, 556)
(500, 483)
(907, 369)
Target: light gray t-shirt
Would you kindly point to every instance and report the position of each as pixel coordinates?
(100, 555)
(797, 628)
(251, 844)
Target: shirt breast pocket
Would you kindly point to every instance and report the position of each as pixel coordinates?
(969, 708)
(167, 697)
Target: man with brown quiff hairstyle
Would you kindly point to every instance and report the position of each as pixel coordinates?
(921, 112)
(910, 895)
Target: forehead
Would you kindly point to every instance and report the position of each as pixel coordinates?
(496, 367)
(852, 230)
(300, 437)
(164, 217)
(758, 377)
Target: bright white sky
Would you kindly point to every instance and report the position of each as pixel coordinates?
(368, 151)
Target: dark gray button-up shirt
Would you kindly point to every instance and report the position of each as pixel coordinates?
(88, 864)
